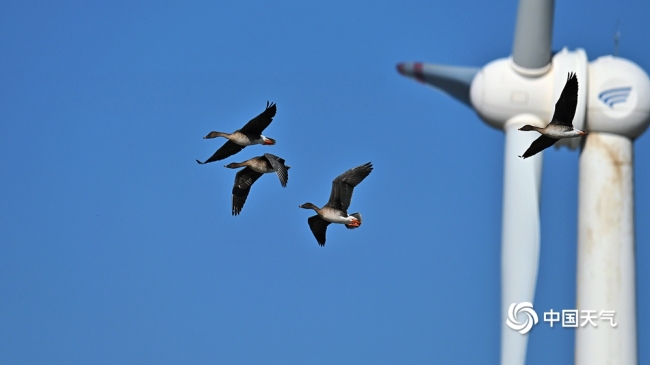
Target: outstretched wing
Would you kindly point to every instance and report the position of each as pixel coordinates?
(260, 122)
(280, 168)
(540, 144)
(228, 149)
(344, 184)
(318, 227)
(565, 108)
(243, 182)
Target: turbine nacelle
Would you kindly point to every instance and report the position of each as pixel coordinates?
(618, 97)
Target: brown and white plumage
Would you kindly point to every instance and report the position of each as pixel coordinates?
(336, 209)
(561, 125)
(248, 135)
(254, 168)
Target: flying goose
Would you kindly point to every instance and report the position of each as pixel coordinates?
(336, 209)
(248, 135)
(561, 126)
(255, 167)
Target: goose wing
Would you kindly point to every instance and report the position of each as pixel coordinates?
(243, 182)
(344, 184)
(280, 168)
(228, 149)
(540, 144)
(318, 227)
(260, 122)
(565, 108)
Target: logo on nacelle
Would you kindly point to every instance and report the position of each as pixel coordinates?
(615, 96)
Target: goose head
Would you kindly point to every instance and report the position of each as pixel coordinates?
(213, 134)
(234, 165)
(308, 206)
(529, 128)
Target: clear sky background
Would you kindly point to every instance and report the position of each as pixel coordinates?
(117, 248)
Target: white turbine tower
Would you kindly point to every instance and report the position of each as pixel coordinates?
(614, 106)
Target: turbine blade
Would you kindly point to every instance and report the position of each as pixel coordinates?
(453, 80)
(520, 231)
(532, 45)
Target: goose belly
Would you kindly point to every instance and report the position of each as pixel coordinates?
(335, 216)
(244, 140)
(262, 169)
(562, 133)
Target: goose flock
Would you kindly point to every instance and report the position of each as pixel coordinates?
(335, 211)
(336, 208)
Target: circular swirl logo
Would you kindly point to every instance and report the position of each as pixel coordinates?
(527, 309)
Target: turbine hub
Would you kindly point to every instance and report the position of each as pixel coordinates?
(500, 91)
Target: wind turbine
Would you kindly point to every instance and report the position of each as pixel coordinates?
(614, 107)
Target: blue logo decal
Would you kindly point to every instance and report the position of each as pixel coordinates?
(615, 96)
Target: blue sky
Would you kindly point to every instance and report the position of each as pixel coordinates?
(116, 247)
